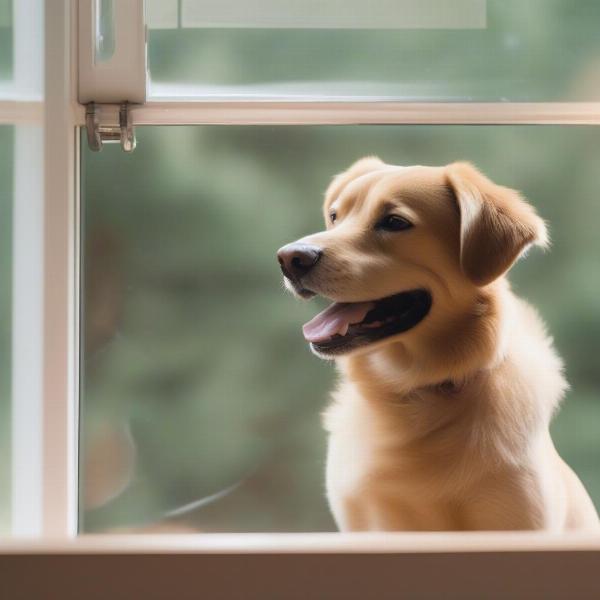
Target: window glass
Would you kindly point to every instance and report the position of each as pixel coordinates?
(6, 157)
(6, 195)
(466, 50)
(200, 399)
(6, 41)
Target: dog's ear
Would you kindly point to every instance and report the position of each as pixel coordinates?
(496, 224)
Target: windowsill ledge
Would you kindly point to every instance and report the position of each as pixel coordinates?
(302, 543)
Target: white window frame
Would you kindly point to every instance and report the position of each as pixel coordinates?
(62, 117)
(328, 563)
(21, 105)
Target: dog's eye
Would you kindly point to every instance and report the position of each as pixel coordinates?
(332, 216)
(393, 223)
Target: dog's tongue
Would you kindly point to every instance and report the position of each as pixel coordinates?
(335, 319)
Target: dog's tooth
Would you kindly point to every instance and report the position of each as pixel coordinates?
(344, 329)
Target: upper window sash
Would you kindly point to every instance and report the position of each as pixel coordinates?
(113, 50)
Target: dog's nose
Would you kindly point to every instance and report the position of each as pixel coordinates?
(296, 260)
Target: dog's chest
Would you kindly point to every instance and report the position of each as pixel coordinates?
(361, 456)
(351, 462)
(378, 477)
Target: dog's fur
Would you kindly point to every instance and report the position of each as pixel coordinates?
(445, 426)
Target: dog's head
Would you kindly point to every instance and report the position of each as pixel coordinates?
(398, 242)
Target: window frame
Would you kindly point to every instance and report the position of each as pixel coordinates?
(21, 106)
(63, 117)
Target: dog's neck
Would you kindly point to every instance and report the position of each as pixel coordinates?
(446, 350)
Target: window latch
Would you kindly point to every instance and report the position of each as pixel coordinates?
(99, 133)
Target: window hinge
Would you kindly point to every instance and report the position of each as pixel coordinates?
(99, 133)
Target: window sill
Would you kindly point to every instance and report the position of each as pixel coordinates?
(314, 543)
(429, 565)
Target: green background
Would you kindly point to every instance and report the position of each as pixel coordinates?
(530, 50)
(6, 186)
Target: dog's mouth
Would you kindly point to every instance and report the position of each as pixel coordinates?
(346, 326)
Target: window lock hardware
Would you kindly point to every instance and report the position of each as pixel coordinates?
(99, 133)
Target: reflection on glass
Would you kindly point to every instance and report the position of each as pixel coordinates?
(200, 400)
(105, 31)
(6, 194)
(539, 50)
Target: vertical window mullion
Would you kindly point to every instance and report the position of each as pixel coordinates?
(60, 356)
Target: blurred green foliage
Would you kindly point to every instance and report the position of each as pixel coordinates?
(532, 50)
(6, 186)
(204, 361)
(6, 40)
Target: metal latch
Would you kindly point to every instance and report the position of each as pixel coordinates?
(99, 133)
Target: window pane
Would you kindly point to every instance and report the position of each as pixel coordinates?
(539, 50)
(197, 384)
(21, 50)
(6, 41)
(6, 195)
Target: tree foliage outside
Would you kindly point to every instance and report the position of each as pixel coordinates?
(6, 186)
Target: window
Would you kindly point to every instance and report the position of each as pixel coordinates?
(409, 50)
(111, 312)
(6, 60)
(6, 160)
(197, 382)
(6, 146)
(21, 215)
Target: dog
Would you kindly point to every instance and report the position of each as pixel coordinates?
(447, 380)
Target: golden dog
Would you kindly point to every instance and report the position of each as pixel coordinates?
(448, 381)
